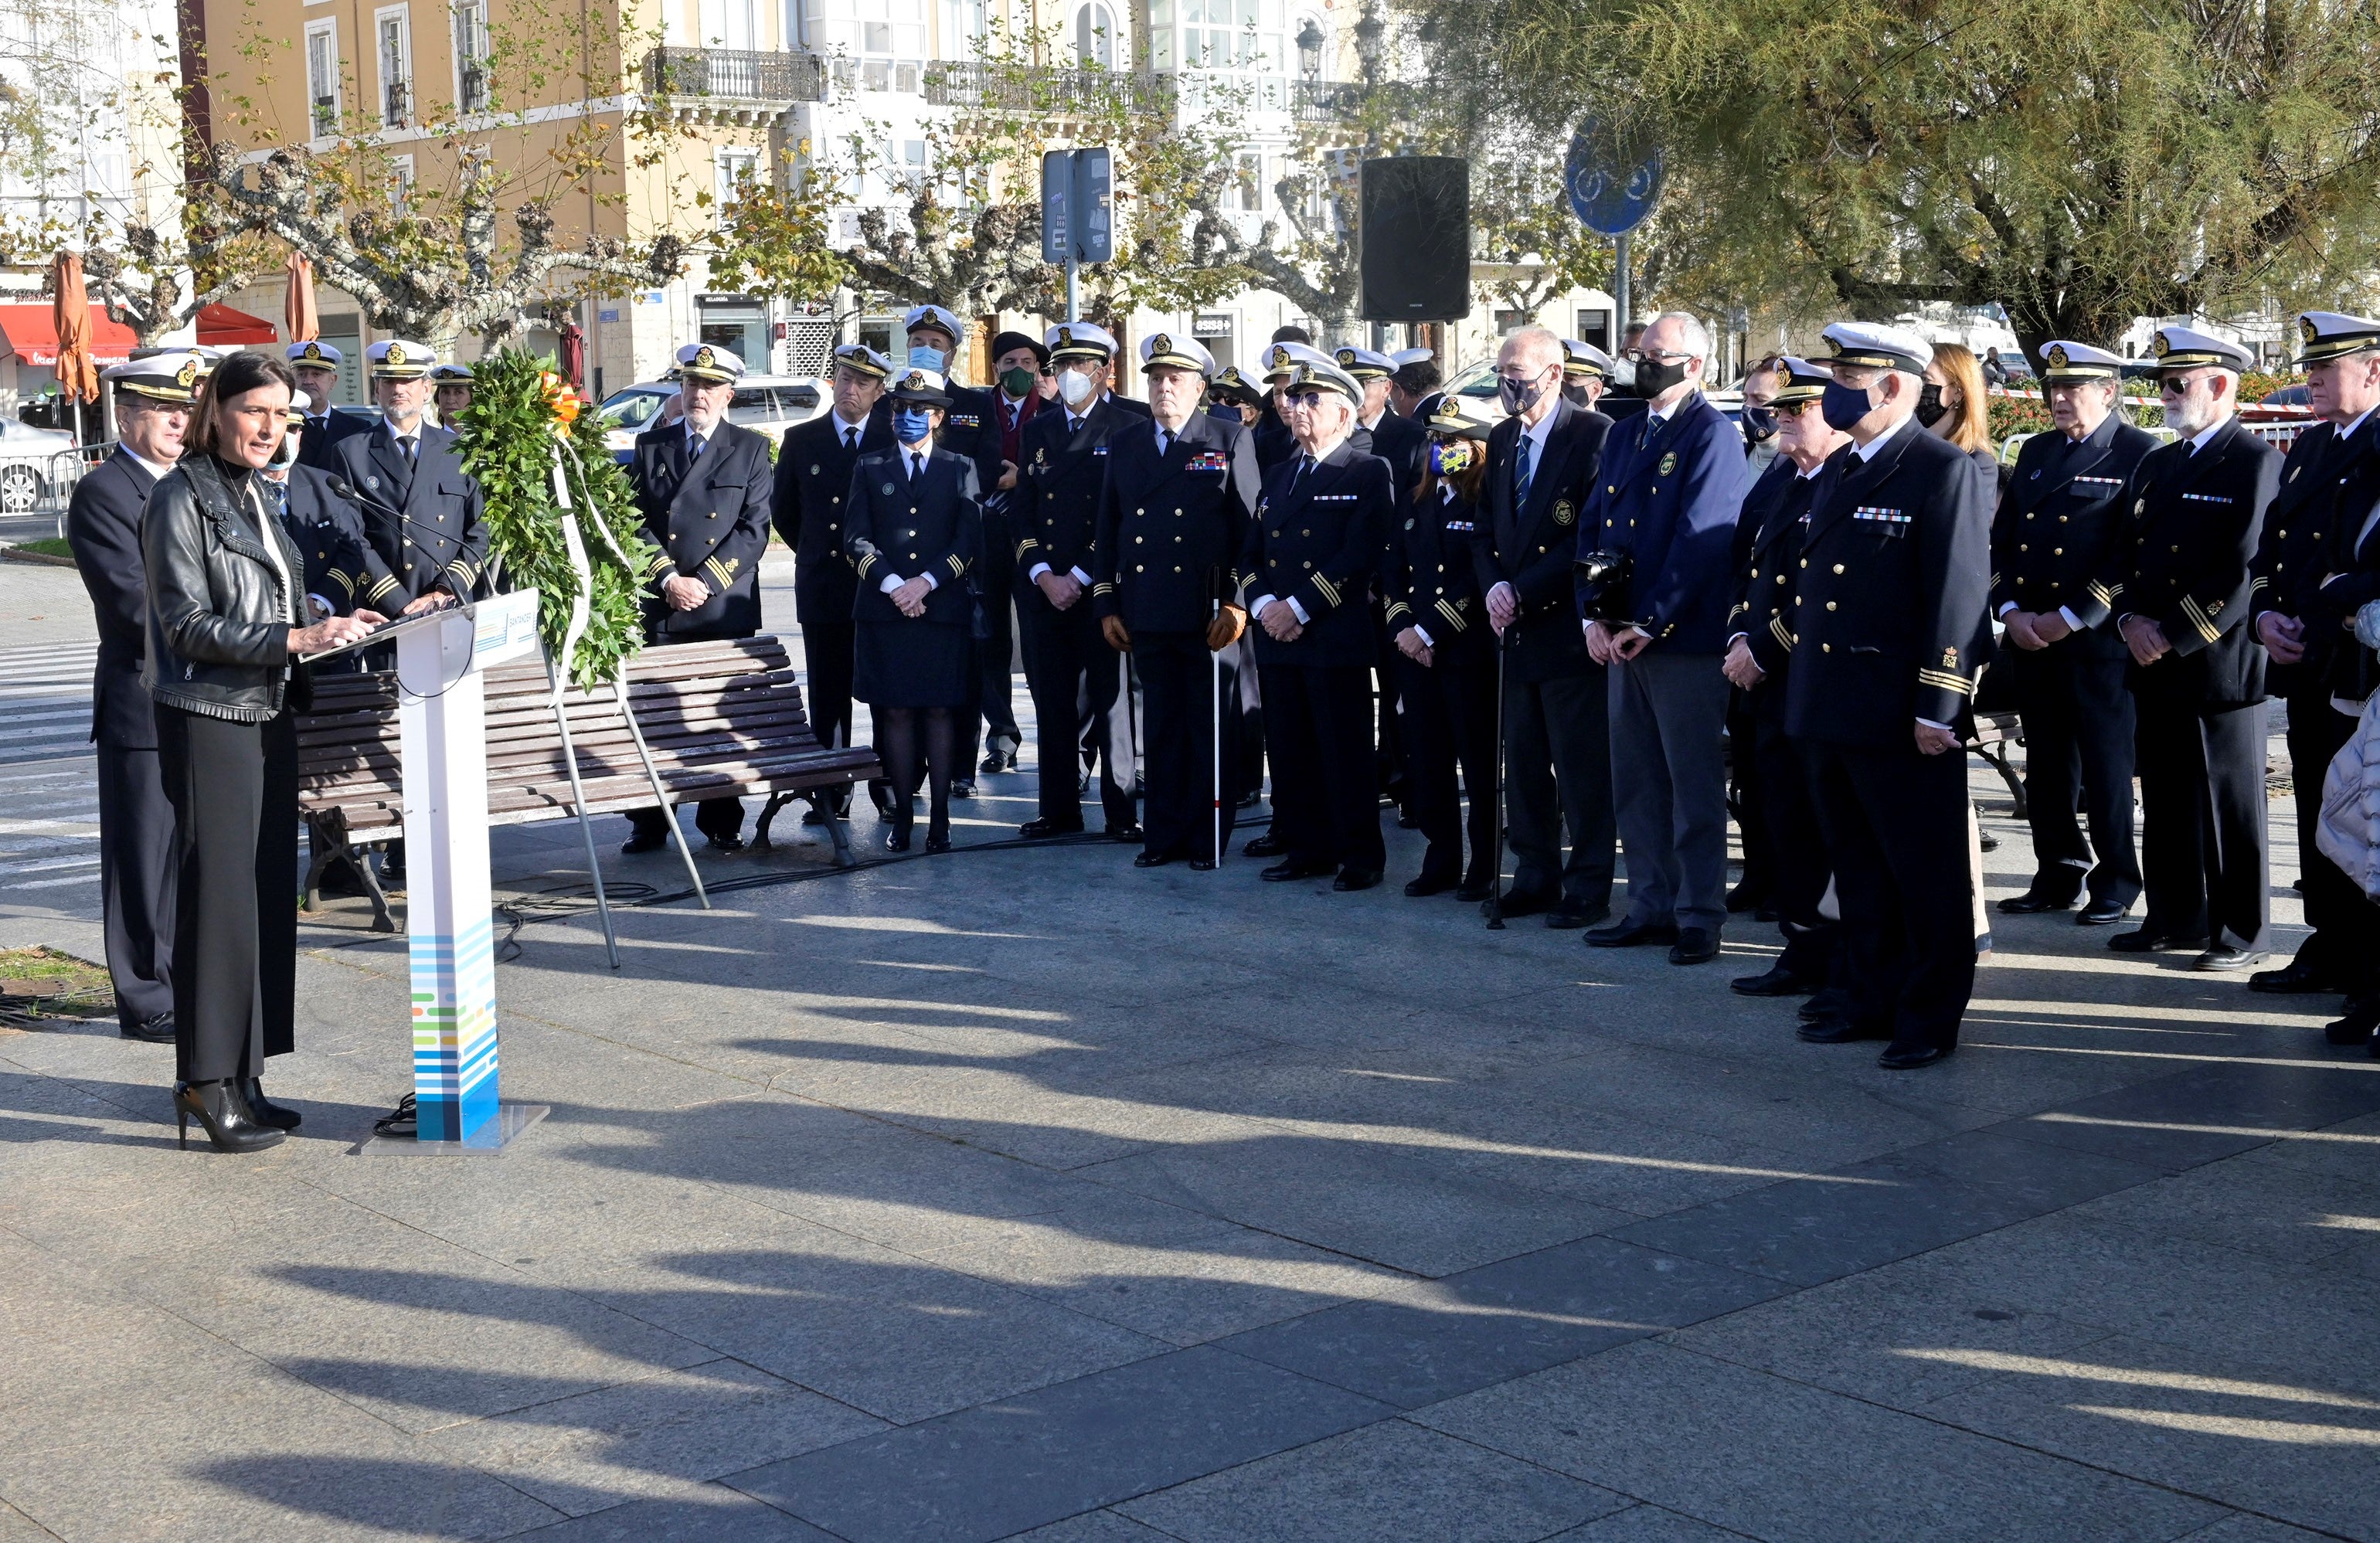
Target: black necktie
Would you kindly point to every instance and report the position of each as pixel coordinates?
(851, 439)
(693, 447)
(1164, 440)
(916, 467)
(1304, 465)
(410, 448)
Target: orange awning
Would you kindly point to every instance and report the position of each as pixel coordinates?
(221, 327)
(32, 337)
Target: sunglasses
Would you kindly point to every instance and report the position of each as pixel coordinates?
(1795, 409)
(1302, 398)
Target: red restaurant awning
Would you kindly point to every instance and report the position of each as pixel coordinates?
(221, 327)
(29, 336)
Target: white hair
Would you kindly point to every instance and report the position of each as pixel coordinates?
(1538, 341)
(1692, 334)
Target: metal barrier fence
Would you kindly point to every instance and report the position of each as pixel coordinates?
(44, 484)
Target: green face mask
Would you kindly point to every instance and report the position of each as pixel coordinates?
(1018, 382)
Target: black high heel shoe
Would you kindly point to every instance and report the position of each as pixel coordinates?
(217, 1105)
(281, 1117)
(897, 838)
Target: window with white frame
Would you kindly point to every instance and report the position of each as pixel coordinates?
(1160, 34)
(733, 24)
(473, 46)
(896, 28)
(323, 76)
(1232, 34)
(1095, 35)
(393, 31)
(400, 185)
(967, 23)
(1247, 183)
(737, 169)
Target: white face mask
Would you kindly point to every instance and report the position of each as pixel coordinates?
(1075, 386)
(286, 457)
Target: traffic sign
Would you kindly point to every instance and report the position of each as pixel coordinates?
(1613, 178)
(1077, 206)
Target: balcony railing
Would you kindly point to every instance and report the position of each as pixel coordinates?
(1040, 89)
(733, 76)
(1342, 101)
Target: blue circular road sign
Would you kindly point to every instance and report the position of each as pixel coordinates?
(1612, 183)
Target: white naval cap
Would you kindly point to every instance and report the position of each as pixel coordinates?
(1323, 374)
(708, 362)
(1586, 358)
(1170, 351)
(933, 316)
(314, 354)
(1364, 364)
(1079, 340)
(925, 387)
(2328, 334)
(1404, 356)
(2188, 348)
(394, 358)
(1878, 346)
(1281, 358)
(865, 359)
(1459, 416)
(1799, 381)
(2064, 360)
(170, 376)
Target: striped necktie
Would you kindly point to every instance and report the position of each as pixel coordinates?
(1523, 473)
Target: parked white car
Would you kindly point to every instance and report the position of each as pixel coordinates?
(30, 472)
(766, 404)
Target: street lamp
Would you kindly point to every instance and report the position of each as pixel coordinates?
(1369, 29)
(1309, 49)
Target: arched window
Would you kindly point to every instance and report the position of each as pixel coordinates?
(1095, 35)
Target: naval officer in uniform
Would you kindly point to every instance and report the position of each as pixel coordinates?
(1888, 629)
(1174, 517)
(316, 365)
(420, 509)
(135, 820)
(2176, 586)
(2056, 526)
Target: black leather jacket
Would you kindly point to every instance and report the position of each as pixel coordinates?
(220, 612)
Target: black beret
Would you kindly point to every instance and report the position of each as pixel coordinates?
(1008, 343)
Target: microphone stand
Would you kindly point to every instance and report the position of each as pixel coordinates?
(353, 494)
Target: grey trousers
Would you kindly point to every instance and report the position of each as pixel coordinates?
(1558, 773)
(1668, 786)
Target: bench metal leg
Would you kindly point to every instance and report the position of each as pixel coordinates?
(1997, 756)
(328, 840)
(767, 816)
(660, 793)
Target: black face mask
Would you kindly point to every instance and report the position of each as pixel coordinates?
(1759, 423)
(1930, 407)
(1576, 395)
(1654, 377)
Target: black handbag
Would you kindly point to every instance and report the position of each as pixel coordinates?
(1603, 581)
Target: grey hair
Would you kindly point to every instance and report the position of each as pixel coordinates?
(1533, 340)
(1692, 332)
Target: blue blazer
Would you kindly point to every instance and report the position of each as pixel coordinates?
(1669, 493)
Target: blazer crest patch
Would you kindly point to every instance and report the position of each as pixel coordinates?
(1668, 464)
(1564, 513)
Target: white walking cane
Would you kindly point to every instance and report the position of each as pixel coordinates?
(1215, 670)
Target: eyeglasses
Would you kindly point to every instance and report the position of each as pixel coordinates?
(1302, 398)
(1663, 355)
(1795, 409)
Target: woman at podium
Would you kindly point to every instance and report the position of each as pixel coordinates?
(916, 535)
(226, 606)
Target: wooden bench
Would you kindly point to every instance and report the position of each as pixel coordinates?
(719, 718)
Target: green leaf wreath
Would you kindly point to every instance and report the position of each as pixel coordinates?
(508, 437)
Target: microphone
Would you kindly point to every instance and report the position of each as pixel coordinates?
(353, 494)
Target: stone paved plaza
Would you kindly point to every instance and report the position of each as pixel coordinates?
(1018, 1194)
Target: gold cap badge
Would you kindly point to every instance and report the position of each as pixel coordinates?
(2306, 328)
(188, 375)
(396, 354)
(2057, 356)
(1160, 344)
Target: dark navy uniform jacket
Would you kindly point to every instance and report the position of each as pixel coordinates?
(1668, 494)
(104, 529)
(2350, 574)
(2292, 552)
(1433, 576)
(813, 478)
(318, 443)
(2190, 527)
(711, 520)
(1404, 444)
(1321, 546)
(1776, 516)
(929, 524)
(441, 541)
(2063, 510)
(1053, 511)
(1531, 549)
(1168, 522)
(340, 563)
(1889, 592)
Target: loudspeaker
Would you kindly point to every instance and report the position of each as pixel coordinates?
(1416, 238)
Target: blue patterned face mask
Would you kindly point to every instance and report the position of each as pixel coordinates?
(911, 425)
(1449, 457)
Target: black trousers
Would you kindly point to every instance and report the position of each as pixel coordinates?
(234, 788)
(1395, 756)
(1557, 776)
(2346, 925)
(827, 655)
(1326, 801)
(1072, 670)
(1746, 801)
(1798, 840)
(1449, 722)
(1896, 826)
(996, 713)
(1177, 690)
(2078, 753)
(2203, 847)
(135, 880)
(1245, 703)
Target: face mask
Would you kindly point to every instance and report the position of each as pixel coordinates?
(924, 357)
(1574, 393)
(1018, 382)
(1518, 396)
(911, 425)
(1074, 387)
(1449, 457)
(1654, 377)
(1930, 407)
(1842, 406)
(286, 457)
(1759, 423)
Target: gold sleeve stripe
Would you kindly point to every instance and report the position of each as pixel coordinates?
(958, 565)
(2199, 619)
(726, 580)
(1777, 630)
(1737, 609)
(1454, 617)
(866, 563)
(1103, 588)
(381, 588)
(2259, 584)
(1397, 608)
(1329, 590)
(2101, 594)
(1994, 582)
(1946, 681)
(344, 583)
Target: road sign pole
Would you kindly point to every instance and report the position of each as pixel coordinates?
(1074, 303)
(1620, 290)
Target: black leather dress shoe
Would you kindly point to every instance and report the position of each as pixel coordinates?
(1907, 1058)
(2145, 942)
(1475, 893)
(1832, 1002)
(2356, 1027)
(1045, 827)
(1839, 1031)
(1266, 846)
(2101, 913)
(156, 1030)
(897, 839)
(644, 841)
(963, 787)
(879, 793)
(1202, 865)
(1518, 903)
(1284, 871)
(1569, 916)
(997, 759)
(1628, 934)
(1778, 982)
(1429, 884)
(938, 844)
(1746, 896)
(2034, 901)
(1125, 832)
(726, 846)
(1152, 859)
(2299, 974)
(1694, 946)
(1353, 878)
(2223, 959)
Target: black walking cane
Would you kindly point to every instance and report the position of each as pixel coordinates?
(1496, 874)
(1215, 679)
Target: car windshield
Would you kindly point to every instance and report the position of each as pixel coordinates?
(752, 404)
(632, 408)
